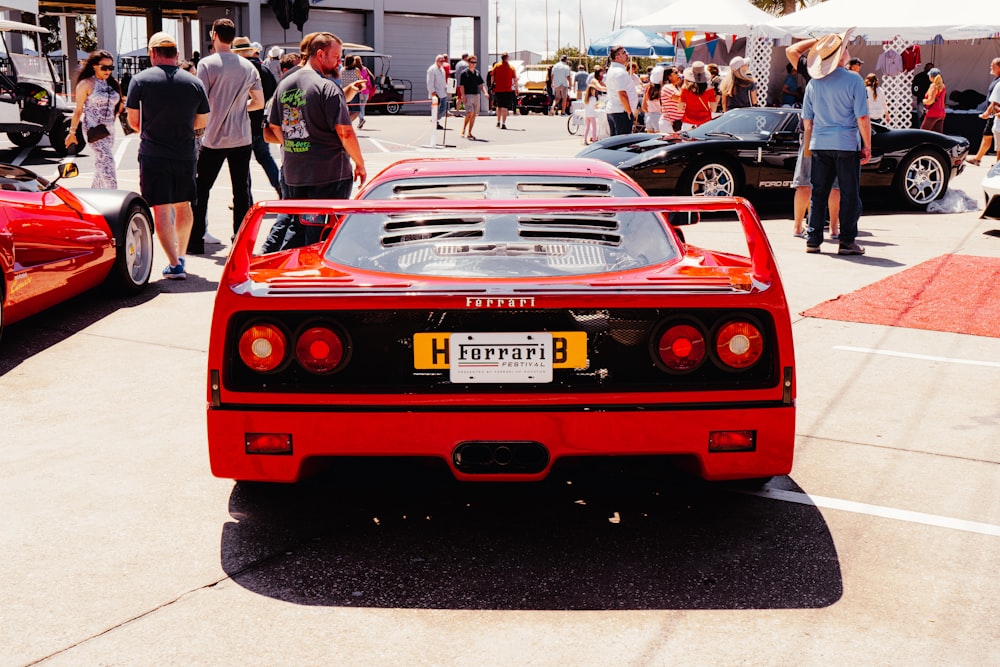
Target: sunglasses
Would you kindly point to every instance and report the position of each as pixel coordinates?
(106, 68)
(473, 62)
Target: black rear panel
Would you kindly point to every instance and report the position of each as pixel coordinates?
(621, 349)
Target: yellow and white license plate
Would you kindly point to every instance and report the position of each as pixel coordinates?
(500, 357)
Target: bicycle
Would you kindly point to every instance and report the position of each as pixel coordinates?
(575, 122)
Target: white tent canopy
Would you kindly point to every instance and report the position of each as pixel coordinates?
(884, 19)
(734, 17)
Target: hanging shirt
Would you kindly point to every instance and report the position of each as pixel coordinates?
(911, 57)
(889, 63)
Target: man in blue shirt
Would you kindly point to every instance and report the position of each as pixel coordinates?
(834, 114)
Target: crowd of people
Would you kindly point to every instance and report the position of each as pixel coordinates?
(194, 116)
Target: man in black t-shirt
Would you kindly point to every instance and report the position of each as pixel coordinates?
(470, 84)
(309, 117)
(168, 106)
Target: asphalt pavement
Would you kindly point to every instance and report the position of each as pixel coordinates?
(882, 547)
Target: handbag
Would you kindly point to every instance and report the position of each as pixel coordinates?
(97, 133)
(123, 118)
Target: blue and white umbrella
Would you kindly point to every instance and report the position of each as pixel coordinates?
(637, 42)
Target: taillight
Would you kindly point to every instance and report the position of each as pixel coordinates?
(262, 347)
(319, 350)
(681, 348)
(739, 344)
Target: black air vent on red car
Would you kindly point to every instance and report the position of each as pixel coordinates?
(599, 229)
(398, 230)
(555, 190)
(460, 190)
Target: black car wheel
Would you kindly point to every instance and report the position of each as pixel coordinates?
(392, 108)
(134, 259)
(922, 178)
(711, 178)
(58, 134)
(24, 139)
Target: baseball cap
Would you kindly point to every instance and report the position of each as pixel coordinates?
(161, 39)
(564, 58)
(855, 61)
(934, 72)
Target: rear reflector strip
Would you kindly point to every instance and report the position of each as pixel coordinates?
(732, 441)
(269, 443)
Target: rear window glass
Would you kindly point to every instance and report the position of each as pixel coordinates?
(491, 245)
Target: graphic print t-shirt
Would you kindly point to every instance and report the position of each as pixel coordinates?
(308, 108)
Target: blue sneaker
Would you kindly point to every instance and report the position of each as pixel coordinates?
(175, 272)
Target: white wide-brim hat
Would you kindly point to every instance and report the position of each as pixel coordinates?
(825, 54)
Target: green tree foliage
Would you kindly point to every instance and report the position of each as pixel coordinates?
(779, 7)
(51, 41)
(86, 33)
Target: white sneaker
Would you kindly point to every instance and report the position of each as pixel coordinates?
(211, 239)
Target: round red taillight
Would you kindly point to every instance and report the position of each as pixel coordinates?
(739, 344)
(681, 347)
(319, 350)
(262, 347)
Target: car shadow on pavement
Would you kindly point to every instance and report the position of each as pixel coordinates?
(22, 340)
(624, 537)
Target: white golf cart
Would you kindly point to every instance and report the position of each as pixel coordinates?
(29, 105)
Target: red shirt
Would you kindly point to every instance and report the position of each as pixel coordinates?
(698, 109)
(503, 78)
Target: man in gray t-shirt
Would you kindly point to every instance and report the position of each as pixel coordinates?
(309, 118)
(234, 89)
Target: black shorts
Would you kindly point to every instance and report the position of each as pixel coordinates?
(505, 100)
(988, 130)
(166, 181)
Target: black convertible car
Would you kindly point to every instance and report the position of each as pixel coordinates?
(755, 149)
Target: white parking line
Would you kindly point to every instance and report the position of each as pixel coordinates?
(121, 150)
(878, 510)
(22, 156)
(378, 144)
(922, 357)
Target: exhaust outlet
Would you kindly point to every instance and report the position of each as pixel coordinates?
(503, 457)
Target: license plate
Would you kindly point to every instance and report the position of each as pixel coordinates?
(500, 357)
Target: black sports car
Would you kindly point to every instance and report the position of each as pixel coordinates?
(756, 149)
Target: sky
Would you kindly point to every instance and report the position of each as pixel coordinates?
(563, 23)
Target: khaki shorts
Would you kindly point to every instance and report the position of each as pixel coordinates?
(472, 103)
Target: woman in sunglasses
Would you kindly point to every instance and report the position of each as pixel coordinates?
(98, 102)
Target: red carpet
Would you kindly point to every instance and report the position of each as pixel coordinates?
(958, 293)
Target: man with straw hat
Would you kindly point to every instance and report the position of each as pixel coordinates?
(837, 138)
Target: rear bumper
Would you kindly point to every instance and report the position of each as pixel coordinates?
(673, 431)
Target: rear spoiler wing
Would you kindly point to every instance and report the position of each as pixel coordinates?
(761, 255)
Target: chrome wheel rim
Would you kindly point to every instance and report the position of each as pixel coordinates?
(713, 180)
(924, 179)
(138, 248)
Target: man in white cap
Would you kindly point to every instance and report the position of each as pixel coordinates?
(168, 106)
(837, 138)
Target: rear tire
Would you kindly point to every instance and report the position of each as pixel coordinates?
(58, 134)
(24, 139)
(392, 108)
(134, 258)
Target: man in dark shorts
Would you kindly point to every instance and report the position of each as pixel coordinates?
(504, 89)
(167, 106)
(987, 142)
(309, 118)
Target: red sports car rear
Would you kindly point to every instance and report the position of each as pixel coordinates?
(501, 335)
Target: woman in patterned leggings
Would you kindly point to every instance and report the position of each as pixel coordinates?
(98, 101)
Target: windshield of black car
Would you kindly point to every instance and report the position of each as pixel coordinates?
(744, 123)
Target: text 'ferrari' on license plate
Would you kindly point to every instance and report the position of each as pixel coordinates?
(500, 357)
